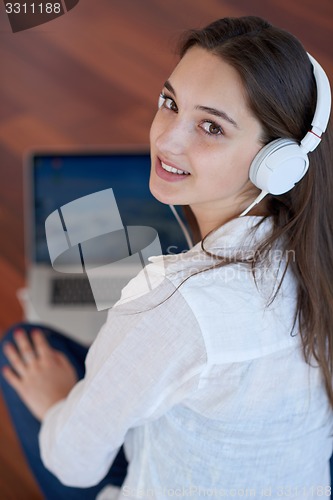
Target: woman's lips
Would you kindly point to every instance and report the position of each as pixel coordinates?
(169, 176)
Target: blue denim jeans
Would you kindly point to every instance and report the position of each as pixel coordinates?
(27, 426)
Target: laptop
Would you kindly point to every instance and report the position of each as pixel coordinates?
(53, 181)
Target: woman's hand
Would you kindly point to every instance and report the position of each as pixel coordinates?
(40, 375)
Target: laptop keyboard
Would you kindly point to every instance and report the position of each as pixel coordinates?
(71, 291)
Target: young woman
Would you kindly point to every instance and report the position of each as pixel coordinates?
(219, 380)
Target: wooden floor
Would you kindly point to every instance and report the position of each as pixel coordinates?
(91, 78)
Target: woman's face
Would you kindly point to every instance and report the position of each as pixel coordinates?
(203, 139)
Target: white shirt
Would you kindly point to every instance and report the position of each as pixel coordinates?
(206, 384)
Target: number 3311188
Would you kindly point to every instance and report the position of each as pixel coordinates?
(33, 8)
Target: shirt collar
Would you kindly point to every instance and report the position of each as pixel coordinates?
(241, 234)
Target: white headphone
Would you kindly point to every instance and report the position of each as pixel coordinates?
(282, 163)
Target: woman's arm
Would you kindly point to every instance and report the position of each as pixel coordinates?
(140, 365)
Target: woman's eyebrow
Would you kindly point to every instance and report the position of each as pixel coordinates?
(220, 114)
(207, 109)
(168, 86)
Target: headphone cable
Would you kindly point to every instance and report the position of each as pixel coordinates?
(256, 201)
(182, 226)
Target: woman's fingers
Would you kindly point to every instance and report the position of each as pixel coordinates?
(11, 377)
(41, 375)
(14, 357)
(41, 345)
(20, 355)
(24, 346)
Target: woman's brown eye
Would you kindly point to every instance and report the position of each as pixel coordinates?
(170, 103)
(167, 102)
(211, 128)
(214, 129)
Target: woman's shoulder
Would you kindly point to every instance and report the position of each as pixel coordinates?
(201, 265)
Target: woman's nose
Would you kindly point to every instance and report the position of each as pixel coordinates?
(173, 138)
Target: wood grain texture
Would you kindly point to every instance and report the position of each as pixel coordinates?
(91, 78)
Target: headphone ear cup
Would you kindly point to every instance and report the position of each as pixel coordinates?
(278, 166)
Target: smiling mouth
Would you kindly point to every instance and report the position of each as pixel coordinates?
(173, 170)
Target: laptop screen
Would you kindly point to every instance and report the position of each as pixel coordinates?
(58, 179)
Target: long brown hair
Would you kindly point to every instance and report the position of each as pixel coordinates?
(281, 91)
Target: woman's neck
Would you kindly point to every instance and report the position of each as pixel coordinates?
(208, 220)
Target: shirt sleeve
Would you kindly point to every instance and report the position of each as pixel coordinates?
(147, 358)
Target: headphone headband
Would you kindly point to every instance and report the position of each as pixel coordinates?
(323, 108)
(282, 163)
